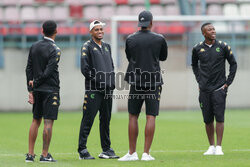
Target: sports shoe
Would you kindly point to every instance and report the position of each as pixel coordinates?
(147, 157)
(109, 154)
(29, 157)
(48, 158)
(129, 157)
(210, 151)
(84, 154)
(218, 150)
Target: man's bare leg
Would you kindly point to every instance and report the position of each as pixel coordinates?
(133, 132)
(219, 132)
(149, 132)
(47, 133)
(210, 133)
(33, 134)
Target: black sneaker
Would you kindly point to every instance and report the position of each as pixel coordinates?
(48, 158)
(84, 154)
(29, 157)
(109, 154)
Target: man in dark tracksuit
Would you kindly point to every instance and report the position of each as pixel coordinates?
(208, 63)
(144, 50)
(43, 86)
(98, 69)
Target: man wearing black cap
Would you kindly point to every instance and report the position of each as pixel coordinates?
(144, 50)
(43, 86)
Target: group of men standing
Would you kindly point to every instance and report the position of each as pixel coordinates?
(144, 51)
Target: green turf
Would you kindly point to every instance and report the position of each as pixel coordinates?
(179, 140)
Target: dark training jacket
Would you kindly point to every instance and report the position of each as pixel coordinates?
(42, 66)
(97, 66)
(209, 65)
(144, 51)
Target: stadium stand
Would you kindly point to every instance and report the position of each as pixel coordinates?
(230, 10)
(123, 10)
(11, 14)
(75, 11)
(105, 2)
(106, 12)
(136, 2)
(172, 10)
(244, 9)
(60, 13)
(16, 15)
(137, 9)
(121, 2)
(157, 10)
(9, 2)
(214, 9)
(44, 13)
(26, 2)
(91, 12)
(28, 14)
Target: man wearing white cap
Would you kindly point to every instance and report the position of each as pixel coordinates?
(98, 70)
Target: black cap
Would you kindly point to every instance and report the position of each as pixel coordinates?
(145, 17)
(49, 27)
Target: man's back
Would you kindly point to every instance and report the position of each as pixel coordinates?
(144, 50)
(43, 65)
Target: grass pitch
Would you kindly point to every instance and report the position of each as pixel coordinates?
(180, 140)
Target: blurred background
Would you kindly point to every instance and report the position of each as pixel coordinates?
(20, 26)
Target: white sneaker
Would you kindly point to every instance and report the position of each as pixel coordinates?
(129, 157)
(147, 157)
(210, 151)
(218, 150)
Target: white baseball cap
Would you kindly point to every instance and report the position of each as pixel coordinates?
(95, 23)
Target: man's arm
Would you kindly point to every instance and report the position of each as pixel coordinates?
(86, 68)
(194, 64)
(50, 68)
(164, 50)
(233, 65)
(111, 57)
(128, 54)
(29, 71)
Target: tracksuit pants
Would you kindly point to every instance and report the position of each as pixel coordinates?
(95, 101)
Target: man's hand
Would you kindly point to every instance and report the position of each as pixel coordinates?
(31, 98)
(225, 86)
(31, 83)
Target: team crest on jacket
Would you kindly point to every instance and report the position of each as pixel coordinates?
(202, 50)
(106, 49)
(95, 48)
(217, 49)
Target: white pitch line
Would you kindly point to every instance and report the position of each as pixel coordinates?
(156, 151)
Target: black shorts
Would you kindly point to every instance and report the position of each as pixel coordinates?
(137, 95)
(213, 104)
(46, 105)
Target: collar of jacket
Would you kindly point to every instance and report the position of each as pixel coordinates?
(93, 42)
(215, 43)
(48, 39)
(144, 30)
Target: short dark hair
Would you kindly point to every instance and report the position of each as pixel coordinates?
(203, 25)
(49, 28)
